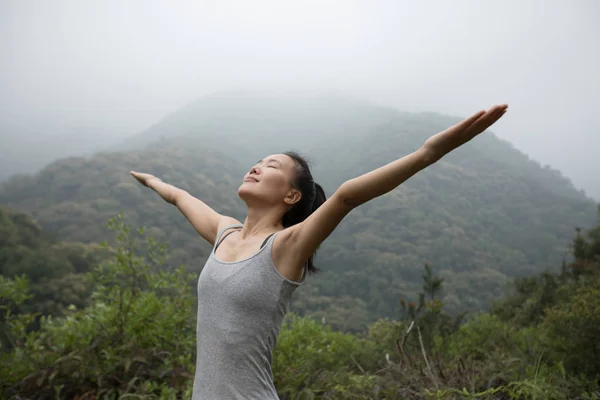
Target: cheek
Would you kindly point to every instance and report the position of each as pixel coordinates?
(277, 182)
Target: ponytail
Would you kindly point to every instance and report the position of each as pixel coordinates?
(319, 198)
(313, 196)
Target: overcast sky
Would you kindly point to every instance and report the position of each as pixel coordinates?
(118, 66)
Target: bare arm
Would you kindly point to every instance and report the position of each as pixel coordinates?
(206, 221)
(301, 240)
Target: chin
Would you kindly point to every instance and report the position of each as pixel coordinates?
(245, 191)
(252, 193)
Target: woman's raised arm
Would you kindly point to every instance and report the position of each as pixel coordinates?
(301, 240)
(206, 221)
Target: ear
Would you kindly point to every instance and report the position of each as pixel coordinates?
(292, 197)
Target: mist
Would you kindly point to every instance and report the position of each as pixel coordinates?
(107, 70)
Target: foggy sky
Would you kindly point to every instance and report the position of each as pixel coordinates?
(116, 67)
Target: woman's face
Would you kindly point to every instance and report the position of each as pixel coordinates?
(270, 181)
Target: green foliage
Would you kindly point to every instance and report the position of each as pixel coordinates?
(532, 296)
(431, 284)
(343, 313)
(573, 331)
(136, 337)
(56, 270)
(13, 320)
(312, 361)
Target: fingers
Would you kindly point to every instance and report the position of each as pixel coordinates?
(137, 176)
(488, 118)
(480, 121)
(141, 177)
(497, 111)
(497, 115)
(466, 123)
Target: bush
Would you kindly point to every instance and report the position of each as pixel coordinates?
(137, 336)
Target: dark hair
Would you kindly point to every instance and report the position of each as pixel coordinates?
(312, 198)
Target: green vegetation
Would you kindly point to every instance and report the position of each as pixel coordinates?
(55, 270)
(137, 335)
(135, 339)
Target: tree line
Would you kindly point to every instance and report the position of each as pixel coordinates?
(135, 336)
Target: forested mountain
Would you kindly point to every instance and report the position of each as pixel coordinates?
(56, 270)
(480, 216)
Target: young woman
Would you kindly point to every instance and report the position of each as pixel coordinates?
(245, 286)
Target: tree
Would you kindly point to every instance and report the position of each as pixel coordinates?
(432, 285)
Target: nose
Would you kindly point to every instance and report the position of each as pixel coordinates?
(254, 170)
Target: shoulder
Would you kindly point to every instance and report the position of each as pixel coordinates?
(225, 224)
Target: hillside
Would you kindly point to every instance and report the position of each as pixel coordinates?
(75, 197)
(482, 215)
(55, 269)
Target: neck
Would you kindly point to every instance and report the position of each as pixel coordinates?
(261, 220)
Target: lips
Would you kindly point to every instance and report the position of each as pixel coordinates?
(250, 179)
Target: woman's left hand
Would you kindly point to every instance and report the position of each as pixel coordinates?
(444, 142)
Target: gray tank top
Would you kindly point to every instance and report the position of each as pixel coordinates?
(241, 306)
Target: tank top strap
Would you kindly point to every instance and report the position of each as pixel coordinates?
(266, 240)
(220, 236)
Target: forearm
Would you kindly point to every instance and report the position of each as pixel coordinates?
(168, 192)
(384, 179)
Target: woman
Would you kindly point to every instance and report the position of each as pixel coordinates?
(245, 287)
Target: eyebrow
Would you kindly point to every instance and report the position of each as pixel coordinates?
(270, 160)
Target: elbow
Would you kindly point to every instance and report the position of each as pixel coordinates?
(177, 196)
(346, 197)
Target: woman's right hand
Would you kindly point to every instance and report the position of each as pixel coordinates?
(143, 178)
